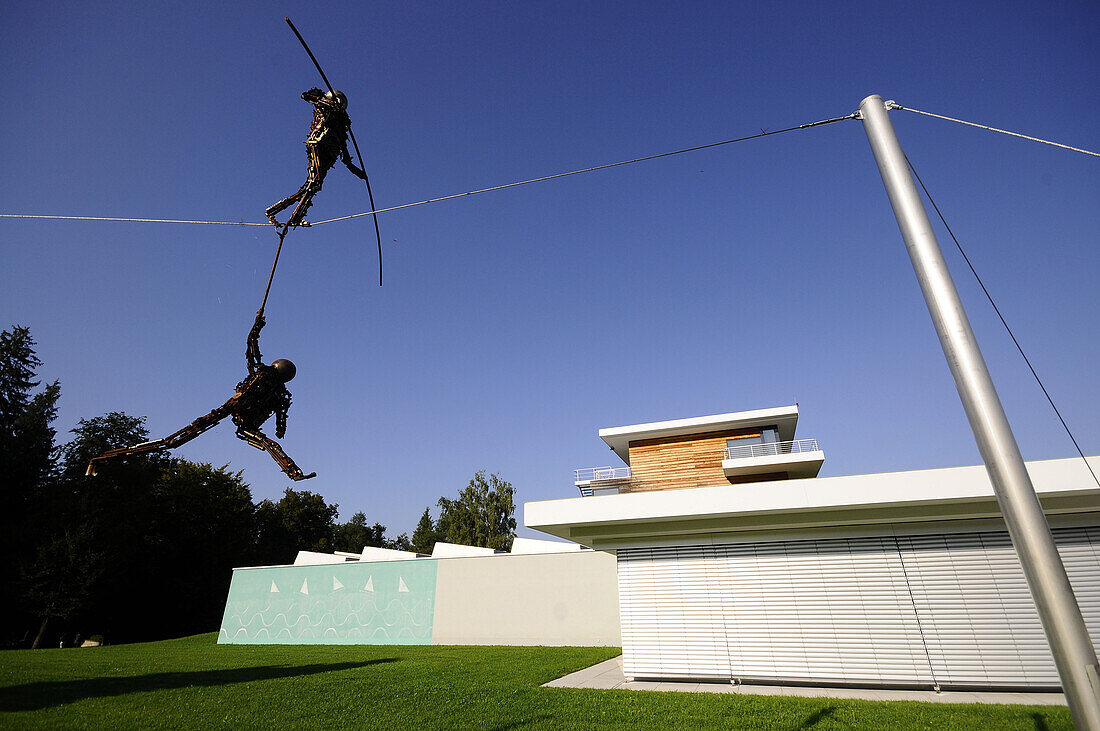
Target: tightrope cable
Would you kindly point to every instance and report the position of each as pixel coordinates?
(895, 105)
(373, 211)
(1004, 322)
(133, 220)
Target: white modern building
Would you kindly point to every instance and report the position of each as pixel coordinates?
(736, 562)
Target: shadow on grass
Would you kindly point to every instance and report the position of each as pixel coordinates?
(36, 696)
(817, 716)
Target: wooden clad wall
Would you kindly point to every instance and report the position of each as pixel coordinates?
(671, 463)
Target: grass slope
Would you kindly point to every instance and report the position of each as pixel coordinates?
(193, 682)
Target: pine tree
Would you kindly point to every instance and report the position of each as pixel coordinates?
(424, 537)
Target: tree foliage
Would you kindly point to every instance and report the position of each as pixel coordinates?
(425, 535)
(483, 514)
(301, 520)
(26, 434)
(95, 436)
(59, 582)
(26, 459)
(356, 534)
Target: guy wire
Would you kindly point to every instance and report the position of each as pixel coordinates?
(895, 105)
(996, 309)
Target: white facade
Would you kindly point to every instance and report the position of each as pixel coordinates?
(903, 578)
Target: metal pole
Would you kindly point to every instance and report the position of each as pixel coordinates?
(1059, 612)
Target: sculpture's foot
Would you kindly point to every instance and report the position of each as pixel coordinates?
(299, 476)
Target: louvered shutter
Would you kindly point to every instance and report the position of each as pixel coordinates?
(946, 608)
(670, 611)
(821, 611)
(825, 611)
(980, 623)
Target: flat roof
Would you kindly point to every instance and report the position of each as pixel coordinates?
(619, 437)
(701, 514)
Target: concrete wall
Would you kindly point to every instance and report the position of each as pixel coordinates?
(536, 599)
(530, 599)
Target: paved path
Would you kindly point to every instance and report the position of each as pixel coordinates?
(608, 675)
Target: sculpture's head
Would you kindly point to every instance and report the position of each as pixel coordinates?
(337, 98)
(284, 369)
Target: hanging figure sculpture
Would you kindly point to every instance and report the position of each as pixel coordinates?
(262, 393)
(327, 143)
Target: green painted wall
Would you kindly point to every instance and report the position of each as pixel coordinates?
(378, 603)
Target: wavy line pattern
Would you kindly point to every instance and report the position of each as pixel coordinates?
(255, 614)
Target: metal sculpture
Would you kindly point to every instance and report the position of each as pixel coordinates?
(262, 393)
(327, 142)
(324, 148)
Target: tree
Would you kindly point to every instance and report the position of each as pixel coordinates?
(26, 437)
(300, 521)
(356, 534)
(202, 525)
(483, 514)
(59, 582)
(168, 533)
(26, 461)
(401, 543)
(95, 436)
(424, 537)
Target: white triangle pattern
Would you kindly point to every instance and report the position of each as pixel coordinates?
(305, 586)
(401, 586)
(370, 584)
(274, 589)
(336, 585)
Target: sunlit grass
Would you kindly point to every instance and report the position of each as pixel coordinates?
(193, 682)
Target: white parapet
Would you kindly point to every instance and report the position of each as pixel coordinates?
(312, 558)
(454, 550)
(371, 553)
(535, 545)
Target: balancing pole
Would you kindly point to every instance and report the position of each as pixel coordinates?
(1059, 611)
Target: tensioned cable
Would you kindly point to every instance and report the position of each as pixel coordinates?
(762, 133)
(996, 309)
(895, 105)
(133, 220)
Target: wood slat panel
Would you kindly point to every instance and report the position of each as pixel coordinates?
(672, 463)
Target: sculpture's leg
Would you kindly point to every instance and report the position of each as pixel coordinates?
(285, 203)
(184, 435)
(320, 161)
(259, 440)
(304, 203)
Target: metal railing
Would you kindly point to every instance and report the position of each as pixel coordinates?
(772, 449)
(601, 473)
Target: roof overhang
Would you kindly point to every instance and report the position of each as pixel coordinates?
(795, 464)
(703, 514)
(620, 437)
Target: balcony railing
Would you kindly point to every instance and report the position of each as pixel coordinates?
(772, 449)
(601, 473)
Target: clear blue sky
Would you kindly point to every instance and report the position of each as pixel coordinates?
(515, 324)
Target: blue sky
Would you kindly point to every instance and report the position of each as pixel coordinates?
(515, 324)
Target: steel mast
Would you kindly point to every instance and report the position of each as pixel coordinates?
(1059, 612)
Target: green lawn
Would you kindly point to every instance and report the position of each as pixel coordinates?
(194, 682)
